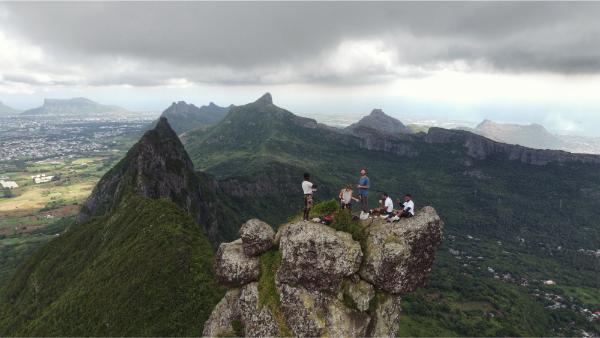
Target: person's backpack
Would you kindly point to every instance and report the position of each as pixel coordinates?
(328, 219)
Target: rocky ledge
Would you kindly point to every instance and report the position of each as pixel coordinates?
(310, 280)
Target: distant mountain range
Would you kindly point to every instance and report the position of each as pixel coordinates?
(184, 117)
(138, 263)
(74, 107)
(6, 110)
(535, 136)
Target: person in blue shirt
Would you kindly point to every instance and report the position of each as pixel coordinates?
(363, 192)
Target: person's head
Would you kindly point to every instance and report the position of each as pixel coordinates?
(349, 187)
(363, 172)
(385, 195)
(407, 197)
(306, 176)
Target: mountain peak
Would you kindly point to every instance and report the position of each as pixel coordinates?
(377, 112)
(380, 121)
(265, 99)
(157, 166)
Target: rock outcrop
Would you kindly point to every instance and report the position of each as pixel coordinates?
(257, 237)
(324, 282)
(317, 257)
(399, 256)
(380, 121)
(233, 267)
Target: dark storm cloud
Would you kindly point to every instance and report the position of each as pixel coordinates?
(238, 42)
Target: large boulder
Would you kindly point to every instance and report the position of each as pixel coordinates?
(304, 310)
(257, 237)
(317, 257)
(233, 267)
(399, 256)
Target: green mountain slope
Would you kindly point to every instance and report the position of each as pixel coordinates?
(138, 261)
(526, 214)
(145, 270)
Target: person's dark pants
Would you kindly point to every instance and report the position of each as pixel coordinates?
(347, 206)
(406, 214)
(308, 203)
(364, 202)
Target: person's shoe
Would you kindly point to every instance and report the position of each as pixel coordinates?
(395, 219)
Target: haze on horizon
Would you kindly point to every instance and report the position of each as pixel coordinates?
(512, 62)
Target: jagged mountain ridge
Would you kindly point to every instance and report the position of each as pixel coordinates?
(78, 106)
(184, 117)
(495, 192)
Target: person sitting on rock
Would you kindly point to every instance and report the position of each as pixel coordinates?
(308, 188)
(408, 209)
(388, 206)
(346, 198)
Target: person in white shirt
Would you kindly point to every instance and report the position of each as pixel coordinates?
(409, 207)
(308, 189)
(346, 197)
(388, 205)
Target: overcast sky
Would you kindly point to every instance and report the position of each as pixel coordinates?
(513, 62)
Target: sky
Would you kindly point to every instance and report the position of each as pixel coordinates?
(534, 62)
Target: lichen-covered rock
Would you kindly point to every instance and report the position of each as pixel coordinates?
(233, 267)
(258, 321)
(345, 322)
(386, 319)
(399, 256)
(220, 321)
(360, 292)
(304, 310)
(257, 237)
(316, 256)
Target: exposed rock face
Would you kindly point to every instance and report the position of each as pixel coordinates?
(361, 293)
(480, 147)
(233, 267)
(318, 287)
(159, 167)
(220, 321)
(386, 321)
(257, 237)
(317, 257)
(531, 135)
(399, 256)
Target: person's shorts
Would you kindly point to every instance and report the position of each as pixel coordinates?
(308, 201)
(347, 206)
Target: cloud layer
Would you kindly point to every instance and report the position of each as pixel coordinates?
(157, 43)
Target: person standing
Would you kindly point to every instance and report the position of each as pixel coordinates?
(308, 188)
(363, 193)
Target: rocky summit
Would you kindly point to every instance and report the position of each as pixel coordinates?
(311, 280)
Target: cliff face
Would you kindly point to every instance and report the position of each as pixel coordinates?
(158, 167)
(481, 148)
(310, 280)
